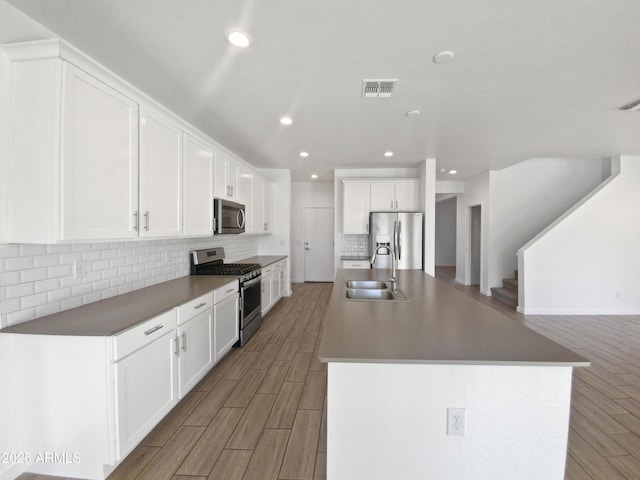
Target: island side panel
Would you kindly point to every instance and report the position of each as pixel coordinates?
(389, 421)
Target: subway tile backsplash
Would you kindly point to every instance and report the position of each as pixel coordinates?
(38, 280)
(354, 245)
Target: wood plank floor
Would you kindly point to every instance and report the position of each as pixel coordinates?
(261, 414)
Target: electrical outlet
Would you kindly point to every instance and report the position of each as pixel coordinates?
(78, 268)
(455, 421)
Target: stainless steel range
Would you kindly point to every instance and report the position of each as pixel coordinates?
(211, 262)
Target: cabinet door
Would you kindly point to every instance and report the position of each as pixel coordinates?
(160, 176)
(225, 177)
(382, 196)
(232, 179)
(283, 287)
(145, 390)
(197, 197)
(355, 211)
(275, 287)
(245, 196)
(100, 160)
(227, 329)
(258, 205)
(266, 293)
(196, 355)
(268, 207)
(406, 196)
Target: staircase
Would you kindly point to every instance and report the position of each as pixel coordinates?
(508, 293)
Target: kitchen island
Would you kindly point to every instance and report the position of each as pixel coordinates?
(395, 368)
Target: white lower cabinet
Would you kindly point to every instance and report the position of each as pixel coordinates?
(227, 328)
(145, 384)
(361, 264)
(98, 397)
(195, 350)
(274, 284)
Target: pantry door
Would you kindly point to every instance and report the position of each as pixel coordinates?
(318, 244)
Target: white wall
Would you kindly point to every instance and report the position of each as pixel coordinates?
(427, 176)
(445, 241)
(476, 192)
(526, 197)
(588, 261)
(303, 195)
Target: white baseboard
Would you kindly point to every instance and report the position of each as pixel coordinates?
(577, 311)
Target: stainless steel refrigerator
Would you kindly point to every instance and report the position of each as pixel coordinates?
(402, 231)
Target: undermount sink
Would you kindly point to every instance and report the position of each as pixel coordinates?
(371, 290)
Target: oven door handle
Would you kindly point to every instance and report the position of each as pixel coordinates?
(251, 283)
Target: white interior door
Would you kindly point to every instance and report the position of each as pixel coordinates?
(318, 244)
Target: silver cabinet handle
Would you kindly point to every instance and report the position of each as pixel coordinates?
(154, 329)
(176, 349)
(391, 203)
(230, 290)
(396, 204)
(146, 220)
(184, 341)
(200, 305)
(136, 221)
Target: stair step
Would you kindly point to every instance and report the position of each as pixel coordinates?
(510, 284)
(506, 296)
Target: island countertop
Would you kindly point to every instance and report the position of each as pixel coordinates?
(117, 314)
(439, 325)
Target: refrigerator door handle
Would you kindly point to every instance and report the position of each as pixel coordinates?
(399, 240)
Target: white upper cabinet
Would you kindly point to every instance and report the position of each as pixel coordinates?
(92, 158)
(406, 193)
(197, 188)
(225, 177)
(258, 205)
(268, 207)
(355, 207)
(245, 196)
(99, 187)
(160, 176)
(394, 195)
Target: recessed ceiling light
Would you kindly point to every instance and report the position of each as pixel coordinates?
(443, 57)
(239, 39)
(412, 113)
(388, 154)
(442, 170)
(314, 176)
(304, 154)
(452, 172)
(286, 120)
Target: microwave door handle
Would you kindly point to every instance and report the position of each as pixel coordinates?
(238, 217)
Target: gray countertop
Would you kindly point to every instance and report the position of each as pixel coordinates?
(264, 260)
(117, 314)
(440, 325)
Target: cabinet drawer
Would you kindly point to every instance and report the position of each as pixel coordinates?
(279, 265)
(268, 270)
(190, 309)
(356, 264)
(226, 291)
(143, 334)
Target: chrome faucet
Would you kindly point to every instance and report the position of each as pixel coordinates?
(393, 264)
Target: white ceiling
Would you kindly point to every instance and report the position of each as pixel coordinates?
(530, 78)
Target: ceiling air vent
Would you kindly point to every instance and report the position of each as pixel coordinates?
(632, 106)
(378, 88)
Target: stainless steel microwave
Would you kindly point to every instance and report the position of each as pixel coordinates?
(229, 217)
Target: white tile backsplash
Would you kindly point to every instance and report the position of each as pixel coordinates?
(354, 245)
(38, 280)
